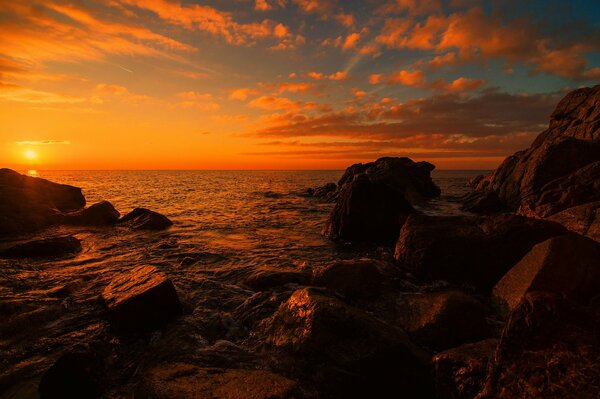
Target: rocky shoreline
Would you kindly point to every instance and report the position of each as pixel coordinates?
(503, 304)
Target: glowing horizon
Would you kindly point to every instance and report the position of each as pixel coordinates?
(284, 84)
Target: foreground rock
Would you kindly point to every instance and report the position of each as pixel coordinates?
(469, 250)
(460, 372)
(142, 299)
(44, 248)
(582, 219)
(99, 214)
(326, 193)
(180, 380)
(370, 355)
(568, 265)
(30, 203)
(353, 279)
(550, 348)
(145, 219)
(266, 278)
(442, 320)
(75, 374)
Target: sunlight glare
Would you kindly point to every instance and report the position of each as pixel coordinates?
(30, 154)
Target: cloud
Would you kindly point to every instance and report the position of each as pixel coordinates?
(43, 142)
(196, 100)
(336, 76)
(417, 78)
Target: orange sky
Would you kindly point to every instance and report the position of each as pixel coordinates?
(283, 84)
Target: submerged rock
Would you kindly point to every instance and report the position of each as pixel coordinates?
(75, 374)
(145, 219)
(140, 300)
(47, 247)
(353, 279)
(101, 213)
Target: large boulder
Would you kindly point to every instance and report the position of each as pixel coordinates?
(99, 214)
(76, 374)
(351, 278)
(142, 299)
(569, 265)
(550, 348)
(469, 250)
(181, 380)
(43, 248)
(583, 219)
(145, 219)
(29, 203)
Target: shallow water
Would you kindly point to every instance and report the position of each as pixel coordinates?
(226, 224)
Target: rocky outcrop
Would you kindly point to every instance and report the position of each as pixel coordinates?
(325, 193)
(476, 251)
(568, 265)
(583, 219)
(266, 278)
(145, 219)
(142, 299)
(43, 248)
(99, 214)
(30, 203)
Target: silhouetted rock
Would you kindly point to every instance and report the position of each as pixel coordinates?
(474, 250)
(374, 356)
(583, 219)
(29, 203)
(550, 348)
(353, 278)
(474, 181)
(145, 219)
(482, 202)
(460, 372)
(75, 374)
(47, 247)
(141, 299)
(367, 212)
(326, 193)
(442, 320)
(568, 265)
(101, 213)
(266, 278)
(180, 380)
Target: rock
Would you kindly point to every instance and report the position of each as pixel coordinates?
(75, 374)
(569, 265)
(482, 202)
(145, 219)
(442, 320)
(259, 306)
(550, 348)
(367, 212)
(265, 278)
(180, 381)
(473, 182)
(374, 356)
(30, 203)
(101, 213)
(326, 193)
(469, 250)
(142, 299)
(47, 247)
(353, 278)
(583, 219)
(460, 372)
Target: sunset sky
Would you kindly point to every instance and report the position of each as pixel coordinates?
(284, 84)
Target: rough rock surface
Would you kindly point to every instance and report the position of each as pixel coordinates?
(264, 279)
(145, 219)
(353, 279)
(550, 348)
(469, 250)
(140, 300)
(182, 381)
(460, 371)
(47, 247)
(101, 213)
(568, 265)
(583, 219)
(326, 193)
(442, 320)
(75, 374)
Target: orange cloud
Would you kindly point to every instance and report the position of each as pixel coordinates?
(196, 100)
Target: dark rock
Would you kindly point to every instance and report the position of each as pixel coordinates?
(101, 213)
(145, 219)
(583, 219)
(180, 380)
(550, 348)
(469, 250)
(140, 300)
(460, 372)
(326, 193)
(473, 182)
(482, 202)
(259, 306)
(375, 356)
(29, 203)
(568, 265)
(442, 320)
(75, 374)
(367, 212)
(264, 278)
(47, 247)
(353, 278)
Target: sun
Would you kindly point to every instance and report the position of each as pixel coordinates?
(30, 154)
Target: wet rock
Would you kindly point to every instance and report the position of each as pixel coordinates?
(99, 214)
(367, 212)
(145, 219)
(266, 278)
(180, 380)
(460, 372)
(442, 320)
(550, 348)
(140, 300)
(29, 203)
(583, 219)
(370, 355)
(259, 306)
(75, 374)
(44, 248)
(568, 265)
(326, 193)
(353, 279)
(469, 250)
